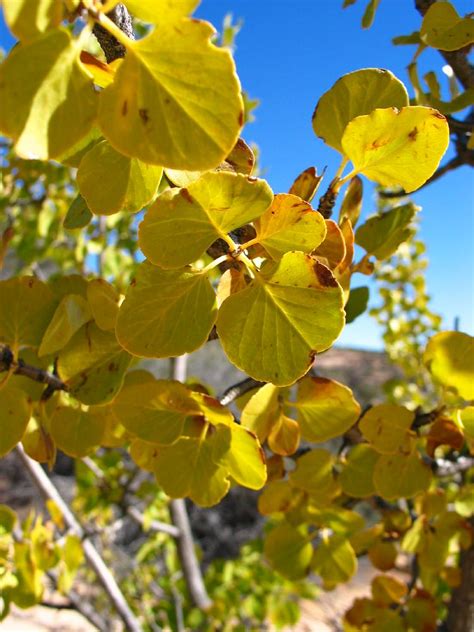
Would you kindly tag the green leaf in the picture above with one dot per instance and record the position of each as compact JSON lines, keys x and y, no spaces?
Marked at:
{"x":78,"y":215}
{"x":289,"y":224}
{"x":175,"y":100}
{"x":449,"y":358}
{"x":111,"y":182}
{"x":8,"y":519}
{"x":412,"y":476}
{"x":47,"y":106}
{"x":293,"y":309}
{"x":334,"y":560}
{"x":354,"y":94}
{"x":194,"y":468}
{"x":397,"y":147}
{"x":27,"y":19}
{"x":93,"y":365}
{"x":388,"y":428}
{"x":381,"y":235}
{"x":444,"y":29}
{"x":158,"y":11}
{"x":182,"y":223}
{"x":326,"y":408}
{"x":357,"y":303}
{"x":26,"y":308}
{"x":15,"y":412}
{"x":104,"y":303}
{"x":369,"y":14}
{"x":72,"y":312}
{"x":155,"y":411}
{"x":356,"y":477}
{"x":166,"y":312}
{"x":289,"y":551}
{"x":76,"y":432}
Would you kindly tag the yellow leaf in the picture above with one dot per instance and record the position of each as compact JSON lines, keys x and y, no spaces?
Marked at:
{"x":397,"y":147}
{"x":15,"y":412}
{"x":333,"y":248}
{"x":38,"y":443}
{"x":76,"y":432}
{"x":412,"y":476}
{"x":166,"y":312}
{"x":158,"y":11}
{"x":388,"y":428}
{"x":103,"y":74}
{"x":326,"y":408}
{"x":289,"y":551}
{"x":103,"y":300}
{"x":278,"y":497}
{"x":262,"y":411}
{"x":313,"y":472}
{"x":356,"y":477}
{"x":182,"y":223}
{"x":294,"y":308}
{"x":72,"y":312}
{"x":306,"y":184}
{"x":352,"y":95}
{"x":111,"y":182}
{"x":245,"y":459}
{"x":27,"y":19}
{"x":387,"y":590}
{"x":155,"y":411}
{"x":289,"y":224}
{"x":444,"y":29}
{"x":284,"y":437}
{"x":93,"y":365}
{"x":175,"y":100}
{"x":334,"y":560}
{"x":383,"y":555}
{"x":26,"y":308}
{"x":49,"y":104}
{"x":449,"y":358}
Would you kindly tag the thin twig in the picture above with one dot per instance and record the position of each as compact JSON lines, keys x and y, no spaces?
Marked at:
{"x":237,"y":390}
{"x":7,"y":361}
{"x":179,"y":517}
{"x":153,"y":525}
{"x":105,"y":577}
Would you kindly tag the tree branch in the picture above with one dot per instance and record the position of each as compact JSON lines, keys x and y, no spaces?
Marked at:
{"x":7,"y":361}
{"x":105,"y":577}
{"x":239,"y":389}
{"x":112,"y":48}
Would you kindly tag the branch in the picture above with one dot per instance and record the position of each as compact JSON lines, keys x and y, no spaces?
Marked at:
{"x":239,"y":389}
{"x":112,"y":48}
{"x":154,"y":525}
{"x":7,"y":361}
{"x":105,"y":577}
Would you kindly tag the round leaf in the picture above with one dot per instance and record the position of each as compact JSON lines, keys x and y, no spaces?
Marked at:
{"x":75,"y":431}
{"x":400,"y":476}
{"x":27,"y":19}
{"x":158,"y":11}
{"x":356,"y":477}
{"x":449,"y":358}
{"x":387,"y":428}
{"x":397,"y":147}
{"x":72,"y":312}
{"x":166,"y":312}
{"x":111,"y":182}
{"x":334,"y":560}
{"x":294,"y":309}
{"x":182,"y":223}
{"x":175,"y":100}
{"x":444,"y":29}
{"x":15,"y":412}
{"x":289,"y":551}
{"x":355,"y":94}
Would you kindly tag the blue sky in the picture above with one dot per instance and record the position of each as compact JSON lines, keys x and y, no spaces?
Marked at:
{"x":289,"y":52}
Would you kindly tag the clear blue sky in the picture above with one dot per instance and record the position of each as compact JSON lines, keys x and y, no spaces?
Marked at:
{"x":289,"y":52}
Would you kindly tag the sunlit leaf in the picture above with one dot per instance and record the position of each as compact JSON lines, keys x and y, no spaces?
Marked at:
{"x":245,"y":459}
{"x":289,"y":551}
{"x":334,"y":560}
{"x":333,"y":248}
{"x":262,"y":411}
{"x":313,"y":471}
{"x":352,"y":202}
{"x":75,"y":431}
{"x":397,"y":147}
{"x":26,"y":308}
{"x":444,"y":29}
{"x":387,"y":589}
{"x":383,"y":555}
{"x":306,"y":184}
{"x":111,"y":182}
{"x":381,"y":235}
{"x":93,"y":365}
{"x":412,"y":476}
{"x":166,"y":312}
{"x":356,"y":477}
{"x":103,"y":300}
{"x":289,"y":224}
{"x":325,"y":408}
{"x":449,"y":358}
{"x":49,"y":105}
{"x":278,"y":497}
{"x":388,"y":428}
{"x":72,"y":312}
{"x":158,"y":11}
{"x":27,"y":19}
{"x":293,"y":308}
{"x":38,"y":443}
{"x":156,"y":410}
{"x":183,"y":223}
{"x":102,"y":74}
{"x":15,"y":412}
{"x":355,"y":94}
{"x":175,"y":100}
{"x":284,"y":437}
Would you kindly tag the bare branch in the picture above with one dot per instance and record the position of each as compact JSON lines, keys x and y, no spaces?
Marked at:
{"x":239,"y":389}
{"x":111,"y":47}
{"x":36,"y":374}
{"x":105,"y":577}
{"x":154,"y":525}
